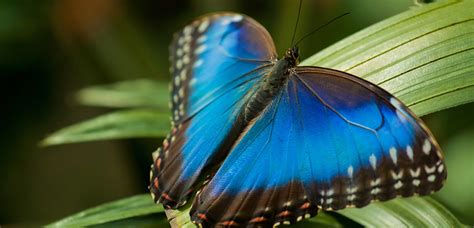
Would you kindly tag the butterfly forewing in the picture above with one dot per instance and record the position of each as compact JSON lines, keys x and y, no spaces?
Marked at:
{"x":215,"y":62}
{"x":386,"y":150}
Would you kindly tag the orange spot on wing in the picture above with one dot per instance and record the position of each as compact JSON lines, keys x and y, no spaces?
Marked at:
{"x":166,"y":196}
{"x":155,"y":183}
{"x":229,"y":223}
{"x":189,"y":191}
{"x":158,"y":163}
{"x":305,"y":205}
{"x":202,"y":216}
{"x":258,"y":219}
{"x":284,"y":214}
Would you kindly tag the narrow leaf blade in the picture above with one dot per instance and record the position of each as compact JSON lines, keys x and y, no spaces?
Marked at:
{"x":126,"y":94}
{"x":423,"y":56}
{"x":409,"y":212}
{"x":116,"y":125}
{"x":134,"y":206}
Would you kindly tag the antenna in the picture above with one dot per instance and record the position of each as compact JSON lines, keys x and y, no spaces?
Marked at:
{"x":320,"y":27}
{"x":296,"y":25}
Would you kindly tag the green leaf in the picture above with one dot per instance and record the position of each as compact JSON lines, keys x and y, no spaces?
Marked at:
{"x":323,"y":219}
{"x":180,"y":218}
{"x":134,"y":206}
{"x":423,"y":56}
{"x":135,"y":93}
{"x":116,"y":125}
{"x":409,"y":212}
{"x":151,"y":221}
{"x":457,"y":195}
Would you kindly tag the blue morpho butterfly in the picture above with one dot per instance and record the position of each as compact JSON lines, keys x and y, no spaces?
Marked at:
{"x":264,"y":142}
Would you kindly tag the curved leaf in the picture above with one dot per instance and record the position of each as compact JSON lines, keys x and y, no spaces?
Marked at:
{"x":423,"y":56}
{"x":409,"y":212}
{"x":134,"y":206}
{"x":116,"y":125}
{"x":125,"y":94}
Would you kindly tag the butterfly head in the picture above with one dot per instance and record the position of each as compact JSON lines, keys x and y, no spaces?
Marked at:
{"x":292,"y":55}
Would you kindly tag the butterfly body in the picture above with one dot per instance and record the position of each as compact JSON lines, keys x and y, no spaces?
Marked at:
{"x":271,"y":85}
{"x":276,"y":142}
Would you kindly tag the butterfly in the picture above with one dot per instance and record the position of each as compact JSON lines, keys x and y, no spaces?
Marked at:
{"x":261,"y":141}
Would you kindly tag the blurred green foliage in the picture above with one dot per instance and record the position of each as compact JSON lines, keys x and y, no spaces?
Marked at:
{"x":55,"y":48}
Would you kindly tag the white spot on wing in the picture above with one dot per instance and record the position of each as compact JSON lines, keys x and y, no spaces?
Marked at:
{"x":350,"y":171}
{"x":201,"y":39}
{"x":351,"y":190}
{"x":200,"y":49}
{"x":399,"y":109}
{"x":375,"y":182}
{"x":410,"y":152}
{"x":415,"y":173}
{"x":416,"y":182}
{"x":395,"y":102}
{"x":431,"y":178}
{"x":398,"y":185}
{"x":187,"y":39}
{"x":179,"y":52}
{"x":203,"y":26}
{"x":373,"y":161}
{"x":177,"y":82}
{"x":182,"y":75}
{"x":237,"y":18}
{"x":440,"y":168}
{"x":186,"y":47}
{"x":375,"y":191}
{"x":198,"y":63}
{"x":427,"y":147}
{"x":430,"y":170}
{"x":393,"y":154}
{"x":181,"y":40}
{"x":179,"y":64}
{"x":397,"y":176}
{"x":351,"y":197}
{"x":188,"y":30}
{"x":186,"y":59}
{"x":192,"y":82}
{"x":330,"y":192}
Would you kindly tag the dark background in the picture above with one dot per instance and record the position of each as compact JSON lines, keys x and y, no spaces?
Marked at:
{"x":50,"y":49}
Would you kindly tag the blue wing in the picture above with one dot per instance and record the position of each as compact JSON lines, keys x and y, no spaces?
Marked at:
{"x":329,"y":140}
{"x":216,"y":60}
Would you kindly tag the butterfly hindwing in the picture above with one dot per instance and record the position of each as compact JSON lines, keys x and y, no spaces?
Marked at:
{"x":216,"y":60}
{"x":329,"y":140}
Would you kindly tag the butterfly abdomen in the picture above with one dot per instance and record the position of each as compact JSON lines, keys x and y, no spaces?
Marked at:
{"x":268,"y":88}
